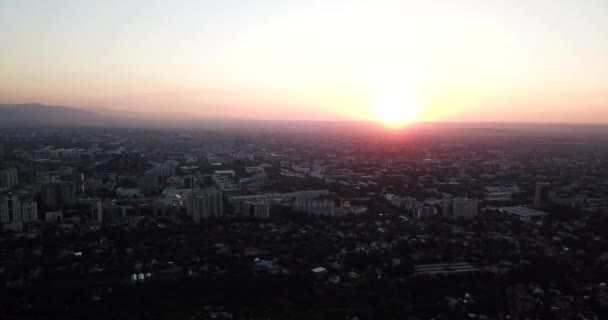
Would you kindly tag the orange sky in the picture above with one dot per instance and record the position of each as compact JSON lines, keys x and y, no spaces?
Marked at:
{"x":539,"y":61}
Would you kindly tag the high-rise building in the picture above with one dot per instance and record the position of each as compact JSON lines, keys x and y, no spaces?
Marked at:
{"x":9,"y":205}
{"x":61,"y":194}
{"x":205,"y":204}
{"x":255,"y":209}
{"x":14,"y":209}
{"x":29,"y":211}
{"x":446,"y":208}
{"x":425,"y":212}
{"x":166,"y":169}
{"x":49,"y":195}
{"x":465,"y":208}
{"x":541,"y":194}
{"x":8,"y":178}
{"x":189,"y":182}
{"x":97,"y":211}
{"x":68,"y":194}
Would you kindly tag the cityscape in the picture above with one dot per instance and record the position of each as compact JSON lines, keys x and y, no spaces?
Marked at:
{"x":159,"y":223}
{"x":265,"y":159}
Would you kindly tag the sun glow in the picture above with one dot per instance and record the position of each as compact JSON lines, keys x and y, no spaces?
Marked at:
{"x":395,"y":110}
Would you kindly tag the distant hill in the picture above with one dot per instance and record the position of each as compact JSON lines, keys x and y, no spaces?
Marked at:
{"x":45,"y":115}
{"x":36,"y":114}
{"x":42,"y":115}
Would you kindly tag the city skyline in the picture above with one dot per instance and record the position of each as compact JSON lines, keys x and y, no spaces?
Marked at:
{"x":283,"y":159}
{"x":284,"y":60}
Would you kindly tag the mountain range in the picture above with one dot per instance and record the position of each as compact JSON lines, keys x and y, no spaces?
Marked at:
{"x":43,"y":115}
{"x":36,"y":114}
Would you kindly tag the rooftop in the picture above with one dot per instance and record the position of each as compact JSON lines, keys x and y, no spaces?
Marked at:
{"x":441,"y":268}
{"x":523,"y":211}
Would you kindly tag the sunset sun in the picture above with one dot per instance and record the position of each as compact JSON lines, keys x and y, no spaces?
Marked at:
{"x":395,"y":110}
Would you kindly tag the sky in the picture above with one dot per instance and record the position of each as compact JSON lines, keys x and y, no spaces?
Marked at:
{"x":407,"y":60}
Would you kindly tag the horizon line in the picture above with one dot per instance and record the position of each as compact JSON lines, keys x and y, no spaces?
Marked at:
{"x":379,"y":122}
